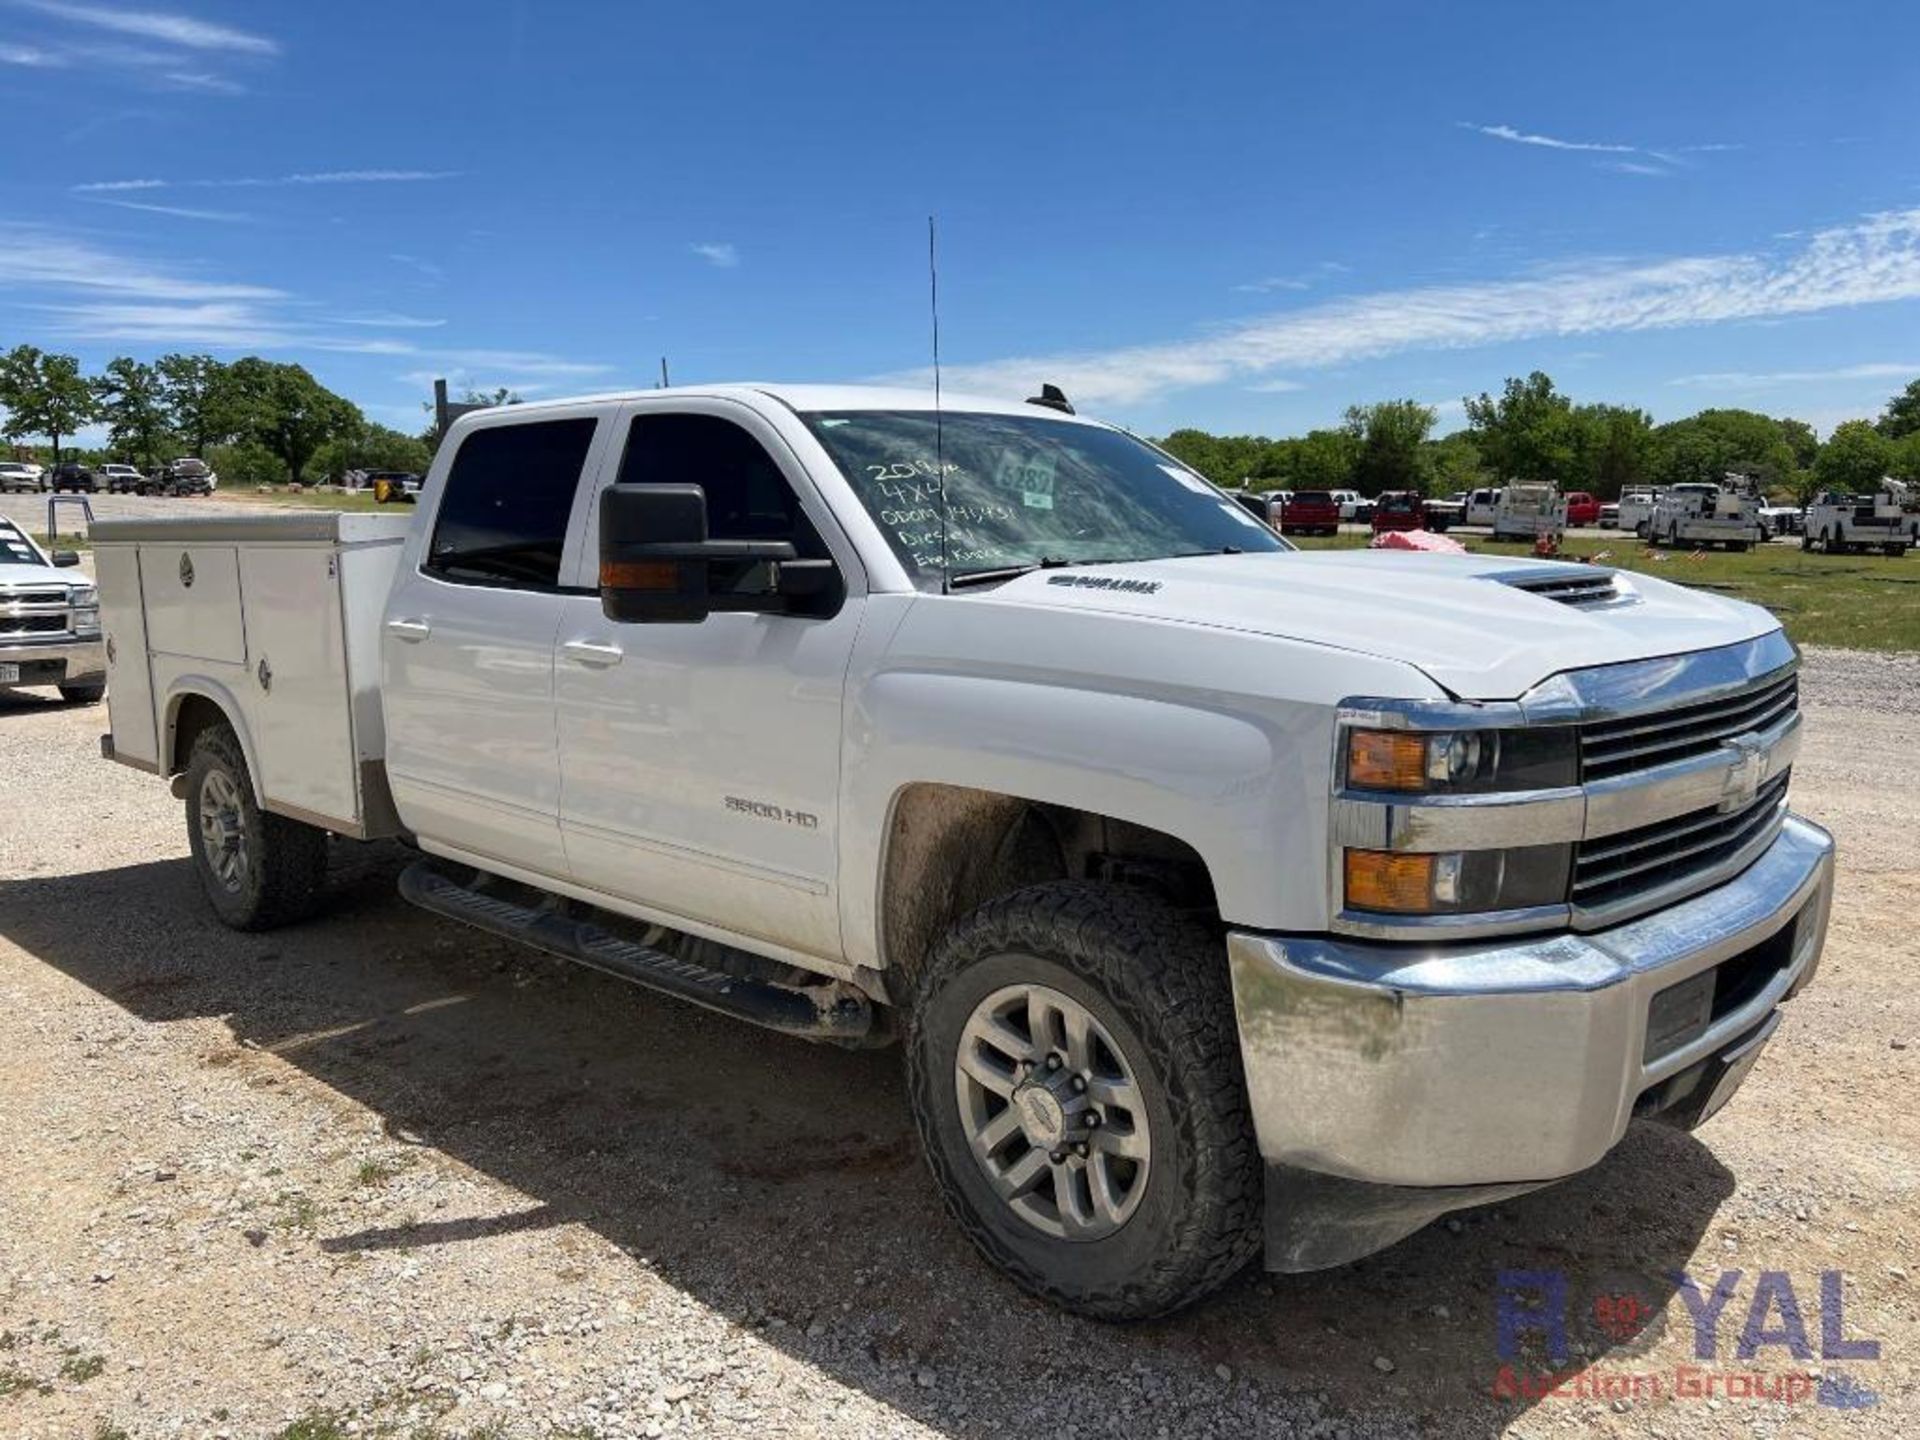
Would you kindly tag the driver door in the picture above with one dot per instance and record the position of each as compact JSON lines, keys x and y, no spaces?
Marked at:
{"x":700,"y":763}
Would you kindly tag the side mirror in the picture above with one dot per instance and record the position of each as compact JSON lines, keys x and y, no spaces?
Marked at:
{"x":656,"y":560}
{"x":65,"y":559}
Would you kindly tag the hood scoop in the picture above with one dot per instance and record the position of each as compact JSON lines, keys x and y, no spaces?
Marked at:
{"x":1584,"y":587}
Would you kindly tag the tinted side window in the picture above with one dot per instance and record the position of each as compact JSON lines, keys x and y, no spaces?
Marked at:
{"x":503,"y":518}
{"x":747,"y":496}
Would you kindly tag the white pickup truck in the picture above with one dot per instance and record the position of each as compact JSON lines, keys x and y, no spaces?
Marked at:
{"x":49,"y":622}
{"x":1222,"y":894}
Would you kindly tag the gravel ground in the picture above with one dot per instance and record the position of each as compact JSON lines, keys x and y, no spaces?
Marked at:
{"x":380,"y":1176}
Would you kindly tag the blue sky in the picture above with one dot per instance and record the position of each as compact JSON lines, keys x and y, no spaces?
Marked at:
{"x":1239,"y":217}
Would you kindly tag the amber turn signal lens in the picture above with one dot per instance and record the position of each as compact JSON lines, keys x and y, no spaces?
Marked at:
{"x":639,"y":575}
{"x":1385,"y":880}
{"x":1386,"y":760}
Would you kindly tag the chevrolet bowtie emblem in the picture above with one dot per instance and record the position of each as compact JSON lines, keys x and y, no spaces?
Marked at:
{"x":1744,"y":774}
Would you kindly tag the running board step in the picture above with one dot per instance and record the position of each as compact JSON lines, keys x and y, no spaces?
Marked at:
{"x":838,"y":1012}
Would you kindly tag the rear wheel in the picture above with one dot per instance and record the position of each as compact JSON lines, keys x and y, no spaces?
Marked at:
{"x":258,"y":870}
{"x":1075,"y":1075}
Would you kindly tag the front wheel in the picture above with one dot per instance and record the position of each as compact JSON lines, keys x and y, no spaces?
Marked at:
{"x":259,"y":870}
{"x":83,"y":694}
{"x":1075,"y":1075}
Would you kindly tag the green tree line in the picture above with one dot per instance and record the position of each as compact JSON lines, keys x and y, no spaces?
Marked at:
{"x":255,"y":421}
{"x":1531,"y":431}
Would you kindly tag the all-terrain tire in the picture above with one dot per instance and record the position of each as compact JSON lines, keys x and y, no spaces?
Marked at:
{"x":1156,"y":982}
{"x":283,"y":869}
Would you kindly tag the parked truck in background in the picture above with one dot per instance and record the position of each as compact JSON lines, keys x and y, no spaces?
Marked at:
{"x":1636,"y":511}
{"x":1704,"y":514}
{"x":1839,"y":523}
{"x":1529,"y":512}
{"x":1224,"y":897}
{"x":49,"y":621}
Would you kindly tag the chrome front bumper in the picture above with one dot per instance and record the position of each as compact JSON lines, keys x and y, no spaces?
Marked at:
{"x":1437,"y":1071}
{"x":85,"y":659}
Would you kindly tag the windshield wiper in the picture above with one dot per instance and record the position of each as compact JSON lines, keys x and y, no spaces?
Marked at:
{"x":1006,"y":572}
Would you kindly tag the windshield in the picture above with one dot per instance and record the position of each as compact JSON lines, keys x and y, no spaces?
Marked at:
{"x":16,"y":549}
{"x":1024,"y":490}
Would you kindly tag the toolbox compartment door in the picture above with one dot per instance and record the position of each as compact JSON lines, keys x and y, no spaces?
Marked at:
{"x":136,"y":737}
{"x":193,"y":602}
{"x":297,"y":696}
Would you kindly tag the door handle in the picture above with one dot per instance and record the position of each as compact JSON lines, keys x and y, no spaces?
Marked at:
{"x":413,"y":631}
{"x":593,"y":652}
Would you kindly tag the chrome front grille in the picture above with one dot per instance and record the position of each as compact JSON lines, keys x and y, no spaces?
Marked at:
{"x":33,"y":624}
{"x":1617,"y":867}
{"x":1640,"y":742}
{"x":11,"y":598}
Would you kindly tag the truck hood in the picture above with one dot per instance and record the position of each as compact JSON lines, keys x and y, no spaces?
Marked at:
{"x":1484,"y":628}
{"x":37,"y":577}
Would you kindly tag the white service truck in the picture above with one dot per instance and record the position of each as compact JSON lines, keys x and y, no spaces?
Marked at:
{"x":1706,"y":514}
{"x":1636,"y":511}
{"x":1223,"y":896}
{"x":1839,"y":522}
{"x":1529,"y":512}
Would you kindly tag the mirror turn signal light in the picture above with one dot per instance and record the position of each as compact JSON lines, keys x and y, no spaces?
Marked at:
{"x":639,"y":575}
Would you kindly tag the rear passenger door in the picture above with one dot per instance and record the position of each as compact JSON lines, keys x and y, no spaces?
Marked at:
{"x":467,"y":646}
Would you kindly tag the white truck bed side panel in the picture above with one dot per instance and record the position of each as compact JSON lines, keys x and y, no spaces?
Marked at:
{"x":136,"y":735}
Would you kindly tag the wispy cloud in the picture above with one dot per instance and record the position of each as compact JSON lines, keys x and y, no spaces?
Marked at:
{"x":182,"y":212}
{"x":89,"y":293}
{"x":719,"y":254}
{"x":387,"y":320}
{"x":1874,"y":261}
{"x":1749,"y":380}
{"x":34,"y":257}
{"x":202,"y":81}
{"x":255,"y":182}
{"x":1277,"y":387}
{"x":1655,"y":161}
{"x":31,"y":56}
{"x":421,"y":266}
{"x":1299,"y":280}
{"x":1549,"y":142}
{"x":181,"y":30}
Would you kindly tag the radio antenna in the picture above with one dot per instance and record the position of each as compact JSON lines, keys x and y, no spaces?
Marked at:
{"x":664,"y":381}
{"x":939,"y":430}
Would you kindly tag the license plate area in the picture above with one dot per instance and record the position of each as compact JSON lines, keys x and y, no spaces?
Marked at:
{"x":9,"y":673}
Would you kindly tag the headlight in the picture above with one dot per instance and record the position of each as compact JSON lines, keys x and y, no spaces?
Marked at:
{"x":81,"y":596}
{"x":1398,"y":882}
{"x":1461,"y":761}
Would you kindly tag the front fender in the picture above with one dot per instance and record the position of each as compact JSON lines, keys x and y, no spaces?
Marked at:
{"x":1247,"y":792}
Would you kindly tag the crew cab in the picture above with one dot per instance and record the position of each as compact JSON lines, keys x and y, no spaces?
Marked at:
{"x":1838,"y":522}
{"x":74,"y":476}
{"x":49,"y":622}
{"x":120,"y":479}
{"x":1582,"y":509}
{"x":1223,"y":897}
